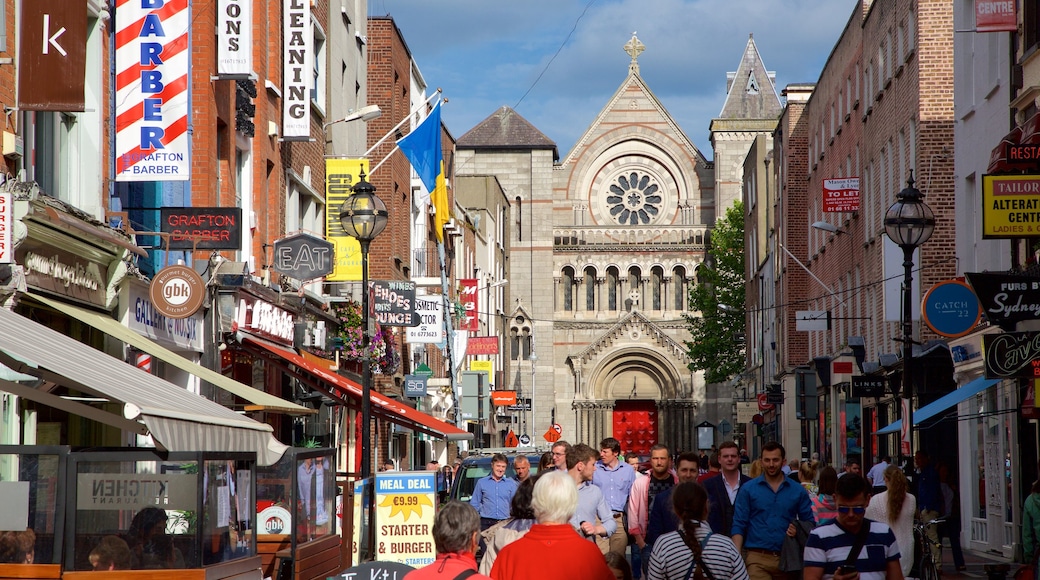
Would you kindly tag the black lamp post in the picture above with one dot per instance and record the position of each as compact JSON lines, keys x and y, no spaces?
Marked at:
{"x":909,"y":223}
{"x":364,"y":217}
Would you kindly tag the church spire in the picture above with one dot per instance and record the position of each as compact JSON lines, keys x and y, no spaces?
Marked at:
{"x":633,"y":47}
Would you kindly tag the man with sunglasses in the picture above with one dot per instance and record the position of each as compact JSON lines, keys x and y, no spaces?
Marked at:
{"x":829,"y":549}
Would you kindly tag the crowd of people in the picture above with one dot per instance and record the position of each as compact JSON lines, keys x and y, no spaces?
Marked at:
{"x":591,"y":513}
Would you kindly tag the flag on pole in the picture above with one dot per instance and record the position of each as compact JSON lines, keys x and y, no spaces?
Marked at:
{"x":422,"y":147}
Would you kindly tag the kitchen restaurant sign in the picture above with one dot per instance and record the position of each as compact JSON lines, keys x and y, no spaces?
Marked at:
{"x":1012,"y":355}
{"x":1005,"y":298}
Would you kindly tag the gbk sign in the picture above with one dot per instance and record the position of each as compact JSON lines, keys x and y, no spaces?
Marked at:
{"x":303,"y":256}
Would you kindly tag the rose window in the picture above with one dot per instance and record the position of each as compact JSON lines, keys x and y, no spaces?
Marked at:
{"x":633,"y":200}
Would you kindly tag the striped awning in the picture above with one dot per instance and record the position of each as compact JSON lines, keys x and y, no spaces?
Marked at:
{"x":177,"y":420}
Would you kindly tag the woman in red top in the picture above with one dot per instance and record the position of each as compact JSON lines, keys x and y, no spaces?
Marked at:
{"x":552,"y":549}
{"x":455,"y":533}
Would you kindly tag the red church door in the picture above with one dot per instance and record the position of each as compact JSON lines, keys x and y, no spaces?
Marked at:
{"x":635,"y":426}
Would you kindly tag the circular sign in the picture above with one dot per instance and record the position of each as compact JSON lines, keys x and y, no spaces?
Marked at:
{"x":525,"y":439}
{"x":763,"y":402}
{"x":556,"y":427}
{"x":951,"y":309}
{"x":177,"y":291}
{"x":275,"y":520}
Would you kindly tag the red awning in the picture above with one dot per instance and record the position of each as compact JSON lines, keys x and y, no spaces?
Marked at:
{"x":349,"y":393}
{"x":998,"y":161}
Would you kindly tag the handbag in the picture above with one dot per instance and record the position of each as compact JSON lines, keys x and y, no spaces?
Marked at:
{"x":793,"y":548}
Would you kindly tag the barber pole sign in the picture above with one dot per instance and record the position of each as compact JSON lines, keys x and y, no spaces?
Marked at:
{"x":298,"y":70}
{"x":152,"y":72}
{"x":143,"y":361}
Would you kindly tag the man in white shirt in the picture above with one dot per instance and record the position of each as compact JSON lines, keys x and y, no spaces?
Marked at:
{"x":876,"y":475}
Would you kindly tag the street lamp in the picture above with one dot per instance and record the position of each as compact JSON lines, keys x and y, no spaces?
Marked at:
{"x":364,"y":217}
{"x":909,"y":223}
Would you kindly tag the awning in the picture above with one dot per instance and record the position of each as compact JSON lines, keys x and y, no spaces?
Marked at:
{"x":345,"y":390}
{"x":943,"y":403}
{"x":260,"y":401}
{"x":177,"y":419}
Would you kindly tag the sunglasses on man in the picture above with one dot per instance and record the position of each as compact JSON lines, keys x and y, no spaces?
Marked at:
{"x":856,"y":509}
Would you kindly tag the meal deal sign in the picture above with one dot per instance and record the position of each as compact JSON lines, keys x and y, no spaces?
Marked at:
{"x":841,"y":195}
{"x":1010,"y":206}
{"x":404,"y":517}
{"x":152,"y":71}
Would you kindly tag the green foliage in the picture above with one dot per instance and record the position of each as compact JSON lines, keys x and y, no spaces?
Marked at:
{"x":712,"y":347}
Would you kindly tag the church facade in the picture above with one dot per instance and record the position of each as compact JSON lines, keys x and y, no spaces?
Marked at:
{"x":606,"y":245}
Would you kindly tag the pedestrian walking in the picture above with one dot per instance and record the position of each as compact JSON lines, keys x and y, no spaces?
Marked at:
{"x":522,"y":468}
{"x":714,"y":468}
{"x":559,"y":455}
{"x":694,"y":548}
{"x":896,"y":507}
{"x":614,"y":478}
{"x":592,"y":518}
{"x":641,"y":499}
{"x":852,"y":547}
{"x":951,"y":527}
{"x":455,"y":531}
{"x":765,"y":510}
{"x":521,"y":518}
{"x":807,"y":478}
{"x":551,"y":550}
{"x":876,"y":475}
{"x":823,"y":506}
{"x":663,"y":518}
{"x":493,"y":493}
{"x":722,"y":490}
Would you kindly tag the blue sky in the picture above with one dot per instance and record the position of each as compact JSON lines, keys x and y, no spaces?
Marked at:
{"x":489,"y":53}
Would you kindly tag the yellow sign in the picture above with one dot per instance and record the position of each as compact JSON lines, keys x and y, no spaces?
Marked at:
{"x":404,"y":517}
{"x":1010,"y":206}
{"x":488,"y":366}
{"x":340,"y":177}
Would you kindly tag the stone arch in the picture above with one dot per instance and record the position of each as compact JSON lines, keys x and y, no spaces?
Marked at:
{"x":654,"y":375}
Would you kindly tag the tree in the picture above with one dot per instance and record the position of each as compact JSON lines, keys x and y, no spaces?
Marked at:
{"x":716,"y":344}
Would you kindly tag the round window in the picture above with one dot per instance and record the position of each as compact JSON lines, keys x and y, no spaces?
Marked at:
{"x":633,"y":199}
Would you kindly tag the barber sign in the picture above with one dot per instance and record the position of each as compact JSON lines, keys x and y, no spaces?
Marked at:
{"x":152,"y":72}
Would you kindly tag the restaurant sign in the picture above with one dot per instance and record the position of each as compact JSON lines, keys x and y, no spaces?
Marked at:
{"x":117,"y":491}
{"x":265,"y":319}
{"x":1012,"y":355}
{"x":62,"y":272}
{"x":1006,"y":298}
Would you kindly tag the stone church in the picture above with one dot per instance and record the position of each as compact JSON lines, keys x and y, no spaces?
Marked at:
{"x":606,"y":243}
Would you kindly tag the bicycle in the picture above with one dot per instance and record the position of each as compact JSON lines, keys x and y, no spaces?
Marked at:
{"x":924,"y":563}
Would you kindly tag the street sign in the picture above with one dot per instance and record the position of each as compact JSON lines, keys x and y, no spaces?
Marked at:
{"x":775,"y":398}
{"x":520,"y":405}
{"x":423,"y":370}
{"x":525,"y":439}
{"x":812,"y":320}
{"x":511,"y":439}
{"x":763,"y":402}
{"x":551,"y":435}
{"x":556,"y":427}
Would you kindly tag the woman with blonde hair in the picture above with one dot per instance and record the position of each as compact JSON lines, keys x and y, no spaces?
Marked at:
{"x":896,"y":507}
{"x":807,"y":477}
{"x":756,"y":469}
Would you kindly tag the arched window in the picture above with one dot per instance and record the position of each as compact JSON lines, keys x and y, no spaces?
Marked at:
{"x":590,"y":288}
{"x":633,"y":278}
{"x":679,"y":283}
{"x":514,"y":344}
{"x":656,"y":286}
{"x":527,"y":344}
{"x":567,"y":285}
{"x":612,"y":288}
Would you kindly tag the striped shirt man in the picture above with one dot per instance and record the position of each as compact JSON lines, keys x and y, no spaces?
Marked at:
{"x":829,"y":545}
{"x":671,"y":558}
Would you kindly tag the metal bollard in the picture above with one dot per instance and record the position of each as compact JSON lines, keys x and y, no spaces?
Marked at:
{"x":996,"y":571}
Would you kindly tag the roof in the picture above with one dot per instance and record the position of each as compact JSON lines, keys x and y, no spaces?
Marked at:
{"x":506,"y":129}
{"x":750,"y":91}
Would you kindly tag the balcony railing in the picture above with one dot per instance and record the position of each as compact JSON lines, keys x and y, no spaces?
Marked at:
{"x":576,"y":238}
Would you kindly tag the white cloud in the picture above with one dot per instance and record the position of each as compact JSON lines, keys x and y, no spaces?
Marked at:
{"x":488,"y":53}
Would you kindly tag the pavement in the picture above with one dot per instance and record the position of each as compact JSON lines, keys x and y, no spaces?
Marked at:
{"x":975,"y":564}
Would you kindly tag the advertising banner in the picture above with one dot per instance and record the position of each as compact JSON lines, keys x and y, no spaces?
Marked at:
{"x":430,"y":330}
{"x":404,"y":517}
{"x":995,"y":16}
{"x":234,"y":38}
{"x":52,"y":56}
{"x":340,"y":177}
{"x":1010,"y":206}
{"x":841,"y":195}
{"x":298,"y":70}
{"x":152,"y":72}
{"x":1006,"y":298}
{"x":470,"y":305}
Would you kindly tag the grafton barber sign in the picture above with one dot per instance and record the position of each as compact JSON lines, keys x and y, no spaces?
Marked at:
{"x":1012,"y":355}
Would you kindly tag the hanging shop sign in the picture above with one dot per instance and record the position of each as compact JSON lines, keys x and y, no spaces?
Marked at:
{"x":234,"y":38}
{"x":503,"y":398}
{"x":394,"y":303}
{"x":482,"y":345}
{"x":1010,"y":206}
{"x":63,"y":273}
{"x":340,"y":177}
{"x":1012,"y":355}
{"x":6,"y":227}
{"x":951,"y":309}
{"x":303,"y":256}
{"x":995,"y":16}
{"x":864,"y":386}
{"x":470,"y":305}
{"x":430,"y":330}
{"x":152,"y":71}
{"x":145,"y":319}
{"x":298,"y":70}
{"x":177,"y":291}
{"x":1005,"y":298}
{"x":841,"y":195}
{"x":52,"y":56}
{"x":202,"y":228}
{"x":264,"y":319}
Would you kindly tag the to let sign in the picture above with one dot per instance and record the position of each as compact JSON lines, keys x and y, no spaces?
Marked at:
{"x":303,"y":256}
{"x":202,"y":228}
{"x":841,"y":195}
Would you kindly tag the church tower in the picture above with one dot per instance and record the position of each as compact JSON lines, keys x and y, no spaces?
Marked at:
{"x":752,"y":108}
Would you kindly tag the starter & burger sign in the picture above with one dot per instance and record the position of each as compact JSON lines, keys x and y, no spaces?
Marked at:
{"x":177,"y":291}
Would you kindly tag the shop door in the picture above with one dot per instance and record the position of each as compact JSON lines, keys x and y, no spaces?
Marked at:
{"x":635,"y":426}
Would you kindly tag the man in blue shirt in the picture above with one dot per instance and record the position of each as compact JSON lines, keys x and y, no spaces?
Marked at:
{"x":765,"y":509}
{"x":592,"y":507}
{"x":493,"y":493}
{"x":614,"y":478}
{"x":930,"y":504}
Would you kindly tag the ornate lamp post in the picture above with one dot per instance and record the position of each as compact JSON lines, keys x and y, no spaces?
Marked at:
{"x":364,"y":217}
{"x":909,"y":223}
